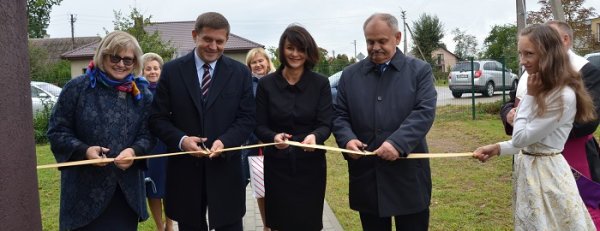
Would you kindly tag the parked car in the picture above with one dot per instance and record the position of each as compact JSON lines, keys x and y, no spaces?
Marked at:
{"x":43,"y":93}
{"x":594,"y":58}
{"x":333,"y":83}
{"x":488,"y":78}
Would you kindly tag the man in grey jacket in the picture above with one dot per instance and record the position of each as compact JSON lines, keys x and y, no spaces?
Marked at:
{"x":386,"y":104}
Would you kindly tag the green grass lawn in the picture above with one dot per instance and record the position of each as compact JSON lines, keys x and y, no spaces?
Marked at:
{"x":467,"y":195}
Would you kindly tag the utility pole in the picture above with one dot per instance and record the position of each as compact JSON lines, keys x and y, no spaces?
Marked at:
{"x":73,"y":19}
{"x":404,"y":23}
{"x":355,"y":49}
{"x":419,"y":48}
{"x":521,"y":17}
{"x":557,"y":11}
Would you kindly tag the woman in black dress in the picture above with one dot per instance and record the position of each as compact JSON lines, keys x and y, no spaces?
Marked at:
{"x":294,"y":103}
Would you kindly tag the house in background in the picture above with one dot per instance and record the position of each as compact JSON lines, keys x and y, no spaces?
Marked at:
{"x":54,"y":47}
{"x":444,"y":59}
{"x":595,"y":26}
{"x":180,"y":35}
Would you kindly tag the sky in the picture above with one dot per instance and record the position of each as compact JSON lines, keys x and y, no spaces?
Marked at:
{"x":335,"y":25}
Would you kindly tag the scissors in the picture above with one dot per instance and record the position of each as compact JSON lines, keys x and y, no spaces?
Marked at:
{"x":204,"y":146}
{"x":101,"y":154}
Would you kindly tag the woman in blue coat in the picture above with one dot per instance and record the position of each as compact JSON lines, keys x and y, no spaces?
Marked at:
{"x":101,"y":114}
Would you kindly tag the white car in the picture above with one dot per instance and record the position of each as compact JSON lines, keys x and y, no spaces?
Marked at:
{"x":42,"y":93}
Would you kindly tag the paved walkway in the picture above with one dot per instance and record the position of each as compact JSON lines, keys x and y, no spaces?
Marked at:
{"x":253,"y":221}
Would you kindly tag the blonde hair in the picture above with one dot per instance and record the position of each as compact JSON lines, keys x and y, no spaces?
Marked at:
{"x":115,"y":42}
{"x":259,"y":51}
{"x":556,"y":71}
{"x":151,"y":57}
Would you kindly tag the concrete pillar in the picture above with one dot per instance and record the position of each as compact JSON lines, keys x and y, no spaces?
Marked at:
{"x":19,"y":197}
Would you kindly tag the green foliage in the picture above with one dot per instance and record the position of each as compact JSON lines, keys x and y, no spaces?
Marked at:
{"x":441,"y":77}
{"x":466,"y":44}
{"x":274,"y":52}
{"x":428,"y":32}
{"x":490,"y":108}
{"x":326,"y":66}
{"x":43,"y":70}
{"x":323,"y":64}
{"x":38,"y":14}
{"x":40,"y":123}
{"x":134,"y":24}
{"x":502,"y":40}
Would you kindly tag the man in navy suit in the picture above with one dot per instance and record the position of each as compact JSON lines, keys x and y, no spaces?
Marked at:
{"x":204,"y":99}
{"x":386,"y":104}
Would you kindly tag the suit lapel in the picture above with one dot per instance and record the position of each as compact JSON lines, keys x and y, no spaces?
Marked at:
{"x":221,"y":77}
{"x":190,"y":77}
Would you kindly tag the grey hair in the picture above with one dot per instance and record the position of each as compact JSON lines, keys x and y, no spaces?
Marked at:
{"x":389,"y":19}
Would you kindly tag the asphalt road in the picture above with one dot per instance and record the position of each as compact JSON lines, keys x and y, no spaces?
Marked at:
{"x":445,"y":97}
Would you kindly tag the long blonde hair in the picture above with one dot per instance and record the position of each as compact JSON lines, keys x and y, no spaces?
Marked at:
{"x":556,"y":72}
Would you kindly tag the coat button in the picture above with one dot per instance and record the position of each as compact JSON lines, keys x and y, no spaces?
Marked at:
{"x":379,"y":98}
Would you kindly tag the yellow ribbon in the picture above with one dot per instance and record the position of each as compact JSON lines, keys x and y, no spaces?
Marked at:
{"x":292,"y":143}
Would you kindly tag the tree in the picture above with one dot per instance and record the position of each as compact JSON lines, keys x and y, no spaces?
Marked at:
{"x":576,"y":16}
{"x":41,"y":69}
{"x":502,"y":40}
{"x":466,"y":44}
{"x":428,"y":32}
{"x":38,"y":14}
{"x":274,"y":52}
{"x":323,"y":66}
{"x":134,"y":25}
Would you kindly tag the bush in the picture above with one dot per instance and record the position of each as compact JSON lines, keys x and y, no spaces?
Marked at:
{"x":490,"y":108}
{"x":40,"y":123}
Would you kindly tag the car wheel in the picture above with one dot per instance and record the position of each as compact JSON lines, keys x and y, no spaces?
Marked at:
{"x":489,"y":89}
{"x":456,"y":94}
{"x":514,"y":84}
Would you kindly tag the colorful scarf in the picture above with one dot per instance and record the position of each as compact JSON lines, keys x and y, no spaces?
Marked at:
{"x":129,"y":84}
{"x":152,"y":85}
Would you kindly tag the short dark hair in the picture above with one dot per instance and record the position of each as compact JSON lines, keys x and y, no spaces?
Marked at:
{"x":300,"y":37}
{"x":213,"y":20}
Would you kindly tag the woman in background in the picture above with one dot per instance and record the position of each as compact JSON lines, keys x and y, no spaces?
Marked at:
{"x":259,"y":63}
{"x":157,"y":167}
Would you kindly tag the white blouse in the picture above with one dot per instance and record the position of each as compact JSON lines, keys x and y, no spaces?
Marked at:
{"x":545,"y":134}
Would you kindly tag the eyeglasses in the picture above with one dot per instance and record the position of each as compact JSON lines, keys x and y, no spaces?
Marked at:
{"x":126,"y":61}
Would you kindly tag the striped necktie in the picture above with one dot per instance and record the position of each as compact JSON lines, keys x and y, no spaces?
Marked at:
{"x":205,"y":81}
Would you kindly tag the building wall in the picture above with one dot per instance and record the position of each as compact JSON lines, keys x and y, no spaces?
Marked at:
{"x":595,"y":29}
{"x":239,"y":56}
{"x":77,"y":67}
{"x":449,"y":60}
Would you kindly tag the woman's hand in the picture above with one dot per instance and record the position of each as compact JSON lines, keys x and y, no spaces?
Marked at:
{"x":96,"y":152}
{"x":121,"y":161}
{"x":310,"y":139}
{"x":280,"y":139}
{"x":486,"y":152}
